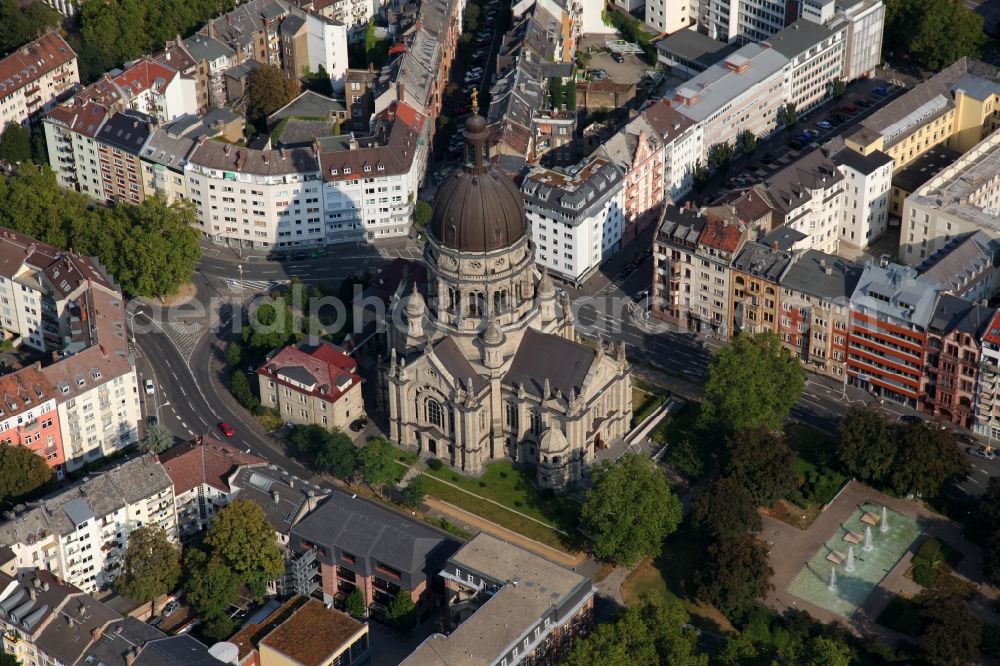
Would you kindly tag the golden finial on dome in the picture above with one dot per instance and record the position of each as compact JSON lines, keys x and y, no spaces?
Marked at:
{"x":475,"y":101}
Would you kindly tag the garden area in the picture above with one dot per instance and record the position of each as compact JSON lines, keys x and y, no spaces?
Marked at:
{"x":645,"y":401}
{"x":816,"y":474}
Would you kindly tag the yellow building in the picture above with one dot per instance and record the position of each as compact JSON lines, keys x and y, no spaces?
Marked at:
{"x":958,"y":107}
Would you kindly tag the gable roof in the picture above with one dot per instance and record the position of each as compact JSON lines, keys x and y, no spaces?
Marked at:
{"x":32,"y":61}
{"x":457,"y":365}
{"x":544,"y":356}
{"x":204,"y":460}
{"x":323,"y":370}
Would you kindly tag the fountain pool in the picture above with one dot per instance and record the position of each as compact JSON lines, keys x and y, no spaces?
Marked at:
{"x":852,"y":587}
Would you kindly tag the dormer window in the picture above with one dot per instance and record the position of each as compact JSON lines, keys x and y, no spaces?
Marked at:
{"x":381,"y":167}
{"x":347,"y":170}
{"x":333,"y":171}
{"x":367,"y":168}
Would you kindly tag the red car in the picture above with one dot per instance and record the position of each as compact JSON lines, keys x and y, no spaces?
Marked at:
{"x":226,"y":429}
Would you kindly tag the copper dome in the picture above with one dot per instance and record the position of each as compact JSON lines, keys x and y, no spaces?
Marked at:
{"x":478,"y":209}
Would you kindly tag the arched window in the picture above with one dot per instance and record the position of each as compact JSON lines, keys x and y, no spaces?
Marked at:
{"x":434,"y":414}
{"x":536,"y":423}
{"x":510,"y":415}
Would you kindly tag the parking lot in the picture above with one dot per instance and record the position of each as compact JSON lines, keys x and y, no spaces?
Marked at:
{"x":630,"y":70}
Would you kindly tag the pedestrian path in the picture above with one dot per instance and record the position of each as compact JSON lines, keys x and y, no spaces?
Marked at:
{"x":415,"y":470}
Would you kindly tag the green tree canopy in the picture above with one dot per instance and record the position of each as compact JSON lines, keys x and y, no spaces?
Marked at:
{"x":720,"y":156}
{"x":354,"y":603}
{"x":736,"y":573}
{"x":822,"y":651}
{"x":158,"y":439}
{"x":629,"y":509}
{"x":7,"y":659}
{"x":752,"y":382}
{"x":210,"y":587}
{"x":725,"y":509}
{"x":330,"y":451}
{"x":932,"y":33}
{"x":239,"y":386}
{"x":401,"y":611}
{"x":275,"y":325}
{"x":788,"y":115}
{"x":243,"y":540}
{"x":151,"y":567}
{"x":867,"y":443}
{"x":415,"y":492}
{"x":951,"y":633}
{"x":747,"y":142}
{"x":268,"y":89}
{"x":15,"y":144}
{"x":22,"y":22}
{"x":653,"y":632}
{"x":21,"y":471}
{"x":761,"y":462}
{"x":422,"y":213}
{"x":927,"y":459}
{"x":378,"y":463}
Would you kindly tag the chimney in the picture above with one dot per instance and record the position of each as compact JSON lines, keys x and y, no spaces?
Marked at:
{"x":400,"y":92}
{"x":167,"y":52}
{"x":274,"y":495}
{"x":95,"y":633}
{"x":131,"y":655}
{"x":774,"y":245}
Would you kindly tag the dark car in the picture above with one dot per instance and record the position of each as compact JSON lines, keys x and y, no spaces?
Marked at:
{"x":767,"y":159}
{"x":299,"y":256}
{"x":837,"y":118}
{"x":849,"y":109}
{"x":910,"y":418}
{"x":864,"y":103}
{"x":358,"y":425}
{"x":881,"y":91}
{"x":795,"y":144}
{"x":618,"y":57}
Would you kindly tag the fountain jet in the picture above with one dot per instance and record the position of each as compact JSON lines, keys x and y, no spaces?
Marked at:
{"x":869,"y":546}
{"x":833,"y":580}
{"x":849,"y":566}
{"x":884,"y":525}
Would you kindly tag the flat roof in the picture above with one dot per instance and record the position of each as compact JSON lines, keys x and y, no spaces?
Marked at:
{"x":314,"y":633}
{"x":925,"y":167}
{"x":694,"y":47}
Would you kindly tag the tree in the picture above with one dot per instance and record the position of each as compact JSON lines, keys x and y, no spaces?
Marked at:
{"x":401,"y":611}
{"x":699,"y":176}
{"x":377,"y":50}
{"x":21,"y":471}
{"x":7,"y":659}
{"x":414,"y":492}
{"x":151,"y":566}
{"x":927,"y":458}
{"x":557,"y":92}
{"x":867,"y":443}
{"x":244,"y":541}
{"x":951,"y":633}
{"x":788,"y":115}
{"x":822,"y":651}
{"x":234,"y":354}
{"x":629,"y":509}
{"x":354,"y":603}
{"x":720,"y":156}
{"x":933,"y":33}
{"x":239,"y":386}
{"x":157,"y":440}
{"x":210,"y":587}
{"x":21,"y":23}
{"x":761,"y":462}
{"x":752,"y":382}
{"x":337,"y":455}
{"x":268,"y":89}
{"x":318,"y":82}
{"x":569,"y":96}
{"x":736,"y":573}
{"x":378,"y":463}
{"x":725,"y":509}
{"x":15,"y":144}
{"x":422,"y":213}
{"x":837,"y":88}
{"x":747,"y":141}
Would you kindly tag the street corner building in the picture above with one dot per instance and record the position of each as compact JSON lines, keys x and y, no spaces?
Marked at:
{"x":483,"y":361}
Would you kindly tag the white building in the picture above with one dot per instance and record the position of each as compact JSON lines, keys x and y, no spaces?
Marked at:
{"x":34,"y":77}
{"x":70,"y":135}
{"x":815,"y":60}
{"x":669,"y":16}
{"x":808,"y":198}
{"x":576,"y":216}
{"x":81,"y":533}
{"x":157,"y":90}
{"x":867,"y":182}
{"x":863,"y":22}
{"x":719,"y":19}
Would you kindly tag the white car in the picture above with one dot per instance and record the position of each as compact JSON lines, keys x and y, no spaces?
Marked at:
{"x":149,"y":387}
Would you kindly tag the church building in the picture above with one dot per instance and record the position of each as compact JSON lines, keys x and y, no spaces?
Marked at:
{"x":483,"y":359}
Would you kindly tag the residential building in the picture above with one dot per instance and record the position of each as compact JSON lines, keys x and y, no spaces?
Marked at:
{"x":284,"y":498}
{"x":119,"y":143}
{"x":966,"y":266}
{"x":959,"y":106}
{"x":719,"y":19}
{"x":312,"y":385}
{"x":28,"y":416}
{"x":683,"y":143}
{"x":808,"y":196}
{"x":952,"y":358}
{"x":688,"y":53}
{"x":306,"y":633}
{"x":34,"y":77}
{"x":359,"y":98}
{"x":163,"y":159}
{"x":176,"y":56}
{"x":915,"y":175}
{"x":353,"y":14}
{"x":211,"y":58}
{"x":863,"y":21}
{"x":670,"y":16}
{"x":864,"y":214}
{"x":815,"y":60}
{"x":511,"y":606}
{"x":156,"y":90}
{"x":360,"y":545}
{"x":987,"y":406}
{"x":70,"y":136}
{"x":200,"y":470}
{"x":815,"y":298}
{"x":890,"y":310}
{"x":81,"y":533}
{"x":744,"y":92}
{"x":963,"y":198}
{"x":576,"y":216}
{"x":755,"y":295}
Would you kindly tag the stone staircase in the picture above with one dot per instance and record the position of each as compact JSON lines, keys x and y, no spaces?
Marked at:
{"x":416,"y":469}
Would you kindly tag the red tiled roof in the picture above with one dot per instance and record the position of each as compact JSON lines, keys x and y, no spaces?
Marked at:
{"x":19,"y":391}
{"x":666,"y":120}
{"x":334,"y":372}
{"x":32,"y":61}
{"x":992,"y":333}
{"x":722,"y":236}
{"x":204,"y":460}
{"x":144,"y":75}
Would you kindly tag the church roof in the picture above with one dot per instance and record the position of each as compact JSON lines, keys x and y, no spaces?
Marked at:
{"x":457,"y":365}
{"x":542,"y":356}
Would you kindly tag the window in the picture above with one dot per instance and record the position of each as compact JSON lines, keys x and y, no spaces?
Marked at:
{"x":434,"y":413}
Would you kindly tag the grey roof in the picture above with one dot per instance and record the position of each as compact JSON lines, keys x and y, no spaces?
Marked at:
{"x":824,"y":275}
{"x":196,"y":126}
{"x":798,"y":38}
{"x":203,"y":47}
{"x":572,"y":193}
{"x":105,"y":493}
{"x":300,"y":133}
{"x":789,"y":188}
{"x":309,"y":105}
{"x":955,"y":314}
{"x":127,"y":131}
{"x":963,"y":261}
{"x":68,"y":634}
{"x":283,"y":498}
{"x":694,"y":47}
{"x":544,"y":356}
{"x":718,"y":85}
{"x":226,"y":157}
{"x":78,"y":511}
{"x":681,"y":226}
{"x":117,"y":639}
{"x":291,"y":25}
{"x":166,"y":149}
{"x":18,"y":610}
{"x":866,"y":164}
{"x":458,"y":366}
{"x":297,"y":374}
{"x":784,"y":237}
{"x":925,"y":167}
{"x":897,"y":292}
{"x":243,"y":69}
{"x":762,"y":261}
{"x":239,"y":26}
{"x":174,"y":650}
{"x":375,"y":534}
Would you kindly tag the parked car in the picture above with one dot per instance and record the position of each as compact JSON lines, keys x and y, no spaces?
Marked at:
{"x":795,"y":144}
{"x":299,"y":256}
{"x":910,"y":418}
{"x":318,"y":254}
{"x":358,"y":425}
{"x":226,"y":429}
{"x":881,"y":91}
{"x":618,"y":57}
{"x":823,"y":124}
{"x":837,"y":118}
{"x":864,"y":103}
{"x":170,"y":608}
{"x":983,"y":452}
{"x":150,"y":388}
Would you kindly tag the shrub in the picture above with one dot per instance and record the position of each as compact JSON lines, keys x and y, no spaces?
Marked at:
{"x":948,"y":583}
{"x":503,"y":475}
{"x":924,"y":574}
{"x":687,"y":458}
{"x":454,"y":477}
{"x":517,"y":503}
{"x":519,"y":485}
{"x":435,"y":464}
{"x":929,"y":551}
{"x":482,"y":484}
{"x":991,"y":639}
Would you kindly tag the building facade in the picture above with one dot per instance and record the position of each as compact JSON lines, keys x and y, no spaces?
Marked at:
{"x":34,"y":77}
{"x":864,"y":215}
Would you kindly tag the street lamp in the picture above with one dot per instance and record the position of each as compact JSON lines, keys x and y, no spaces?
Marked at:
{"x":158,"y":408}
{"x":240,"y":267}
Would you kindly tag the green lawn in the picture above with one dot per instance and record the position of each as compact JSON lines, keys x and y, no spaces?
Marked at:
{"x":815,"y":466}
{"x":644,"y":403}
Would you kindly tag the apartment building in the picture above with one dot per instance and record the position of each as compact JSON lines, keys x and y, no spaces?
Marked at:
{"x":670,"y":16}
{"x":285,"y":499}
{"x":363,"y":546}
{"x":688,"y":53}
{"x":28,"y":415}
{"x":156,"y":90}
{"x":952,"y":358}
{"x":863,"y":22}
{"x":203,"y":59}
{"x":495,"y":594}
{"x":815,"y":60}
{"x":576,"y":215}
{"x":755,"y":295}
{"x":119,"y":144}
{"x":34,"y":77}
{"x":312,"y":385}
{"x":959,"y":107}
{"x":890,"y":310}
{"x":353,"y":14}
{"x":200,"y":470}
{"x":744,"y":92}
{"x":987,"y":405}
{"x":808,"y":196}
{"x":966,"y":266}
{"x":70,"y":136}
{"x":815,"y":310}
{"x":864,"y":215}
{"x":163,"y":159}
{"x":81,"y":533}
{"x":963,"y":198}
